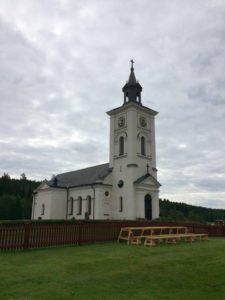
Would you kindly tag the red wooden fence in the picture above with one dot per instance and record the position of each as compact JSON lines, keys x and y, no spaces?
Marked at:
{"x":36,"y":235}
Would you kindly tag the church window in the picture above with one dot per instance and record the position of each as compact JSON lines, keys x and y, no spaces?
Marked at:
{"x":121,"y":145}
{"x":120,"y":183}
{"x":106,"y":193}
{"x":89,"y":205}
{"x":143,"y":150}
{"x":70,"y":206}
{"x":121,"y":204}
{"x":79,"y":211}
{"x":43,"y":209}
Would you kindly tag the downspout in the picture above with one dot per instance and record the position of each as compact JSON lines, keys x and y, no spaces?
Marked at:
{"x":67,"y":200}
{"x":93,"y":201}
{"x":33,"y":205}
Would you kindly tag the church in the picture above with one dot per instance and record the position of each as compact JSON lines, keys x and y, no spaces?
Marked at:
{"x":126,"y":188}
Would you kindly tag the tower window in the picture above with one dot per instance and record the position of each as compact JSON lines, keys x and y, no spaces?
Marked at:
{"x":121,"y":145}
{"x":143,"y":146}
{"x":79,"y":211}
{"x":121,"y":204}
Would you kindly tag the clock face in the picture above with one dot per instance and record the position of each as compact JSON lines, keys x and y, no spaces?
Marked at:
{"x":142,"y":121}
{"x":121,"y":121}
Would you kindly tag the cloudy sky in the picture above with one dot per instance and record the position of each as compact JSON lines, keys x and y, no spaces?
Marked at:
{"x":63,"y":64}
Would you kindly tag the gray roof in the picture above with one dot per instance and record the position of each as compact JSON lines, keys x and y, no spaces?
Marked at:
{"x":81,"y":177}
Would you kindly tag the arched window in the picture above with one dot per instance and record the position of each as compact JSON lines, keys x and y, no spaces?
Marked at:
{"x":89,"y":205}
{"x":79,"y":203}
{"x":143,"y":150}
{"x":121,"y":145}
{"x":70,"y":206}
{"x":121,"y":204}
{"x":43,"y":209}
{"x":148,"y":207}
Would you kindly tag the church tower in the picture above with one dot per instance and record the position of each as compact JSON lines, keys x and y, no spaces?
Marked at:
{"x":133,"y":156}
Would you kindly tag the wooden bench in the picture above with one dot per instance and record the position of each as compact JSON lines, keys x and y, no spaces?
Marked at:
{"x":173,"y":238}
{"x":136,"y":240}
{"x":201,"y":236}
{"x":131,"y":234}
{"x":152,"y":239}
{"x":128,"y":233}
{"x":151,"y":235}
{"x":191,"y":237}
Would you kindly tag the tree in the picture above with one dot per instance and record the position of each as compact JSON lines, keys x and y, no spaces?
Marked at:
{"x":23,"y":176}
{"x":10,"y":207}
{"x":16,"y":197}
{"x":6,"y":176}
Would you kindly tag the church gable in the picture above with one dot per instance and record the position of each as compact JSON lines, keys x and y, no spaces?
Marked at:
{"x":147,"y":179}
{"x":43,"y":186}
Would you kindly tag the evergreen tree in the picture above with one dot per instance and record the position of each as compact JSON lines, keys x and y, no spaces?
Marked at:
{"x":16,"y":197}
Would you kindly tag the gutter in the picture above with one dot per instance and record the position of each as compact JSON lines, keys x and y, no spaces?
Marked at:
{"x":80,"y":185}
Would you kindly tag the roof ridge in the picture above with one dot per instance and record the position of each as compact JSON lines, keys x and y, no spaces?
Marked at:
{"x":83,"y":169}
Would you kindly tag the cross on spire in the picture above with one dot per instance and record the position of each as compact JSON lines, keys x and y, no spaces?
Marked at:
{"x":132,"y":64}
{"x":147,"y":166}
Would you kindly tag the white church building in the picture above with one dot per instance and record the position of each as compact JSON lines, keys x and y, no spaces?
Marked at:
{"x":126,"y":188}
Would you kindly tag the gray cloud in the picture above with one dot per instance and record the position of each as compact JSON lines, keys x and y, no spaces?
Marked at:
{"x":63,"y":64}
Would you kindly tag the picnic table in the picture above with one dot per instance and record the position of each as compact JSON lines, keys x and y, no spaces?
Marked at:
{"x":153,"y":234}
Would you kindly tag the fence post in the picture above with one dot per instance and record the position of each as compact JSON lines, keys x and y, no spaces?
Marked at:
{"x":27,"y":227}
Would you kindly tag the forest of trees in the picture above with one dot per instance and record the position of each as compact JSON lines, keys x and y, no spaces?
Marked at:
{"x":16,"y":197}
{"x":16,"y":203}
{"x":174,"y":211}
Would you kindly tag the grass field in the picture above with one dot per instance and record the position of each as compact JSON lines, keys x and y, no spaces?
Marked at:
{"x":116,"y":271}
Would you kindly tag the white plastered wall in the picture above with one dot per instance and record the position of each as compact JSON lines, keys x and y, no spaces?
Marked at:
{"x":140,"y":202}
{"x":100,"y":203}
{"x":54,"y":201}
{"x":83,"y":193}
{"x":132,"y":165}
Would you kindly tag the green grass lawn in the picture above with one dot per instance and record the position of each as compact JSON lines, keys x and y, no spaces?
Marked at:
{"x":116,"y":271}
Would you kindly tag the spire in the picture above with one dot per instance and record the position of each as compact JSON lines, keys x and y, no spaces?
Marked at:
{"x":132,"y":79}
{"x":132,"y":89}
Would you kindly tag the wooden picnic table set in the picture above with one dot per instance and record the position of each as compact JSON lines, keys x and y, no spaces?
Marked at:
{"x":158,"y":234}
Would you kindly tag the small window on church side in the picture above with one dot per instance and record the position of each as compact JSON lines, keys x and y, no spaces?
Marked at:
{"x":89,"y":205}
{"x":143,"y":146}
{"x":121,"y":204}
{"x":79,"y":210}
{"x":42,"y":209}
{"x":70,"y":206}
{"x":121,"y":145}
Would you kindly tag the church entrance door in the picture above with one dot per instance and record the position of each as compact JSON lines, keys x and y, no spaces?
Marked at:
{"x":148,"y":207}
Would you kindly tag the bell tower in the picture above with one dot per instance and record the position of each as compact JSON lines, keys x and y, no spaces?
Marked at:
{"x":132,"y":154}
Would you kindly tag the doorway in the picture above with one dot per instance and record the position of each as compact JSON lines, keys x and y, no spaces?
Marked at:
{"x":148,"y":207}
